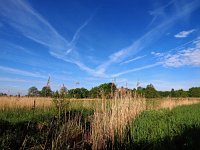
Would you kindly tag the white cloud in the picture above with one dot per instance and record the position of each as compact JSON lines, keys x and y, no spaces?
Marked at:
{"x":152,"y":35}
{"x":21,"y":16}
{"x":18,"y":80}
{"x":136,"y":69}
{"x":21,"y":72}
{"x":134,"y":59}
{"x":189,"y":56}
{"x":184,"y":34}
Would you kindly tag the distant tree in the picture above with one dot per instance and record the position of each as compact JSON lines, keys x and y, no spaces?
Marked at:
{"x":84,"y":93}
{"x":194,"y":92}
{"x":94,"y":92}
{"x":63,"y":91}
{"x":164,"y":93}
{"x":56,"y":94}
{"x":33,"y":91}
{"x":3,"y":94}
{"x":181,"y":93}
{"x":150,"y":92}
{"x":106,"y":89}
{"x":46,"y":91}
{"x":78,"y":93}
{"x":173,"y":93}
{"x":140,"y":91}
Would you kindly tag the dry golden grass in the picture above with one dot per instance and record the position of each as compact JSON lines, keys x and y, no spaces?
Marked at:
{"x":38,"y":102}
{"x":171,"y":103}
{"x":112,"y":118}
{"x":21,"y":102}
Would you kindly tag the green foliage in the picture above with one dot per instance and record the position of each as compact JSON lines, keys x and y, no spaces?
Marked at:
{"x":150,"y":92}
{"x":33,"y":91}
{"x":106,"y":89}
{"x":14,"y":115}
{"x":181,"y":93}
{"x":94,"y":92}
{"x":46,"y":91}
{"x":165,"y":127}
{"x":164,"y":93}
{"x":194,"y":92}
{"x":78,"y":93}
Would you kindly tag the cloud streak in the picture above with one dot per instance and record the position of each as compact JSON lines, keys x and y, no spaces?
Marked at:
{"x":21,"y":72}
{"x":134,"y":59}
{"x":136,"y":69}
{"x":17,"y":80}
{"x":184,"y":34}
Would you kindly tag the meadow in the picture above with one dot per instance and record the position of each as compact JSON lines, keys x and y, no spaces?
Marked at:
{"x":123,"y":122}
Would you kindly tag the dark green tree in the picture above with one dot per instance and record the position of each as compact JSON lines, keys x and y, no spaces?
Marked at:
{"x":33,"y":91}
{"x":140,"y":91}
{"x":94,"y":92}
{"x":150,"y":92}
{"x":78,"y":93}
{"x":164,"y":93}
{"x":181,"y":93}
{"x":46,"y":91}
{"x":194,"y":92}
{"x":107,"y":89}
{"x":173,"y":93}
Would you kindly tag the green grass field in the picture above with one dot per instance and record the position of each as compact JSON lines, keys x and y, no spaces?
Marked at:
{"x":165,"y":129}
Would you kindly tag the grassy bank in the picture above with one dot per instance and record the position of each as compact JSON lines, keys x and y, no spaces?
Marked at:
{"x":165,"y":129}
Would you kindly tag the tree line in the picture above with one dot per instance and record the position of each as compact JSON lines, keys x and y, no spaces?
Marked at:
{"x":105,"y":89}
{"x":151,"y":92}
{"x":108,"y":89}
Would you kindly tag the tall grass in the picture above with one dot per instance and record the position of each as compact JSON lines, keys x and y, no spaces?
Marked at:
{"x":22,"y":102}
{"x":76,"y":124}
{"x":170,"y":103}
{"x":178,"y":128}
{"x":110,"y":120}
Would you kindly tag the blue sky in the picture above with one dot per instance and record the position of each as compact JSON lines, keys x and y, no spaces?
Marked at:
{"x":93,"y":42}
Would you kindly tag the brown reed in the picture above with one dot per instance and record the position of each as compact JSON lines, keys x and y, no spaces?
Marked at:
{"x":113,"y":116}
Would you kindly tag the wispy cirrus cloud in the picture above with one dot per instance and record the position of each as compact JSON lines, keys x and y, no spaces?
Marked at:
{"x":186,"y":56}
{"x":180,"y":11}
{"x":159,"y":13}
{"x":21,"y":16}
{"x":21,"y":72}
{"x":136,"y":69}
{"x":184,"y":34}
{"x":5,"y":79}
{"x":134,"y":59}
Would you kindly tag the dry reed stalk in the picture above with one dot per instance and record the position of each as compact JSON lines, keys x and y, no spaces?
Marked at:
{"x":21,"y":102}
{"x":108,"y":121}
